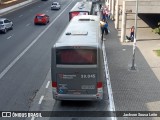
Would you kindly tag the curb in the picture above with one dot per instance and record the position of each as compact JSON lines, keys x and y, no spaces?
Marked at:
{"x":14,"y":7}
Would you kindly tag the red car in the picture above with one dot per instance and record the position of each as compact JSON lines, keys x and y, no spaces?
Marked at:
{"x":41,"y":19}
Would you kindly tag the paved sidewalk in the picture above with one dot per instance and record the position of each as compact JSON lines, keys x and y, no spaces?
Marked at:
{"x":133,"y":90}
{"x":7,"y":3}
{"x":14,"y":5}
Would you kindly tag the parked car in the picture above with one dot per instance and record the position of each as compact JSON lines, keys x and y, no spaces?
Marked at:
{"x":41,"y":19}
{"x":5,"y":25}
{"x":55,"y":6}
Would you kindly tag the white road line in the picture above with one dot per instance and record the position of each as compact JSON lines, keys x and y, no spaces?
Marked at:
{"x":20,"y":15}
{"x":111,"y":101}
{"x":48,"y":84}
{"x":40,"y":100}
{"x":32,"y":118}
{"x":30,"y":45}
{"x":9,"y":37}
{"x":28,"y":24}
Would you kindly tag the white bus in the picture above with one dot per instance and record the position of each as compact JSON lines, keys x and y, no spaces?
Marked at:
{"x":81,"y":8}
{"x":77,"y":67}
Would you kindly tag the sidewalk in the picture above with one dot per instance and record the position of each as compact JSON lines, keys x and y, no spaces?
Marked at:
{"x":6,"y":7}
{"x":7,"y":3}
{"x":133,"y":90}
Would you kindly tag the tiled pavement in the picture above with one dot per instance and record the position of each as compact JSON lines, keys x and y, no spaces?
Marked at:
{"x":137,"y":90}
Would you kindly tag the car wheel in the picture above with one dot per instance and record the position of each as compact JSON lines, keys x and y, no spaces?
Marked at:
{"x":11,"y":27}
{"x":5,"y":30}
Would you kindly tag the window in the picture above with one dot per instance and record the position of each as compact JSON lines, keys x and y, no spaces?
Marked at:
{"x":7,"y":21}
{"x":54,"y":3}
{"x":1,"y":22}
{"x":39,"y":17}
{"x":76,"y":13}
{"x":76,"y":56}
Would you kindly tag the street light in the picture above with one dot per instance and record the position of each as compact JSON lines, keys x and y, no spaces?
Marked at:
{"x":135,"y":38}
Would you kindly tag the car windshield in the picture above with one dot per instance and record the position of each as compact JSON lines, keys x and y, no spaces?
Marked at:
{"x":54,"y":3}
{"x":39,"y":17}
{"x":1,"y":22}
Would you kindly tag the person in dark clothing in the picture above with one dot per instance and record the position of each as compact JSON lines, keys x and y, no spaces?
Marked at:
{"x":104,"y":28}
{"x":132,"y":33}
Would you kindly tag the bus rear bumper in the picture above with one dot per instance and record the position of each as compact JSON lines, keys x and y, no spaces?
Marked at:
{"x":92,"y":97}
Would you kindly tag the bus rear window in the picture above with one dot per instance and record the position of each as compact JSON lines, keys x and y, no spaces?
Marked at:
{"x":76,"y":13}
{"x":76,"y":56}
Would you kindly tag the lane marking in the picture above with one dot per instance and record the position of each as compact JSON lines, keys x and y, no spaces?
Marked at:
{"x":20,"y":15}
{"x":30,"y":45}
{"x":48,"y":84}
{"x":40,"y":100}
{"x":109,"y":87}
{"x":28,"y":24}
{"x":9,"y":37}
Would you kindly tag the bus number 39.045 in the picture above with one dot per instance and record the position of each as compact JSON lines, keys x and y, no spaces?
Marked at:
{"x":88,"y":76}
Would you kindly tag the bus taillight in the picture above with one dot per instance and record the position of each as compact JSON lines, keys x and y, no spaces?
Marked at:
{"x":54,"y":84}
{"x":99,"y":84}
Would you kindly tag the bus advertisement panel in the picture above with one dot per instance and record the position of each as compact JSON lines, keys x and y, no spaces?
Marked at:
{"x":76,"y":13}
{"x":81,"y":8}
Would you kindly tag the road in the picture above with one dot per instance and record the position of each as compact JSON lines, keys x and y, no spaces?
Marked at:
{"x":25,"y":62}
{"x":30,"y":67}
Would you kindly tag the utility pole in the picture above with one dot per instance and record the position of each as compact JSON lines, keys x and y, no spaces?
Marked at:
{"x":117,"y":15}
{"x":135,"y":38}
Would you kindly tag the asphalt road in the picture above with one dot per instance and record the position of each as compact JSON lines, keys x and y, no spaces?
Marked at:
{"x":25,"y":58}
{"x":22,"y":69}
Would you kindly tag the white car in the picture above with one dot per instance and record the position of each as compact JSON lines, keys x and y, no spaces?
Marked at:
{"x":55,"y":6}
{"x":5,"y":25}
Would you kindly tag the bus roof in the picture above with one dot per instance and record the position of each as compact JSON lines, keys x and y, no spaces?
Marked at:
{"x":82,"y":30}
{"x":82,"y":6}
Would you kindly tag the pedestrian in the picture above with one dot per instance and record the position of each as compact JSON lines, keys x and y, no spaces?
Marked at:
{"x":104,"y":28}
{"x":132,"y":33}
{"x":100,"y":6}
{"x":103,"y":15}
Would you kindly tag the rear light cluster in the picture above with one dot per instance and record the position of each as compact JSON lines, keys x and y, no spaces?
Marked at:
{"x":99,"y":90}
{"x":54,"y":84}
{"x":99,"y":85}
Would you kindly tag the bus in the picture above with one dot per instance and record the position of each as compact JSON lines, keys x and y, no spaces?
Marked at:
{"x":81,"y":8}
{"x":77,"y":65}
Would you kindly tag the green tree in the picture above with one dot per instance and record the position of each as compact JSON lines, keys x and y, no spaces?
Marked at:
{"x":157,"y":30}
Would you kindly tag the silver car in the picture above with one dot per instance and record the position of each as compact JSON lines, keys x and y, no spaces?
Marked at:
{"x":55,"y":6}
{"x":5,"y":25}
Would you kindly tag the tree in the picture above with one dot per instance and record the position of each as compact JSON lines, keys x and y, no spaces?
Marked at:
{"x":157,"y":30}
